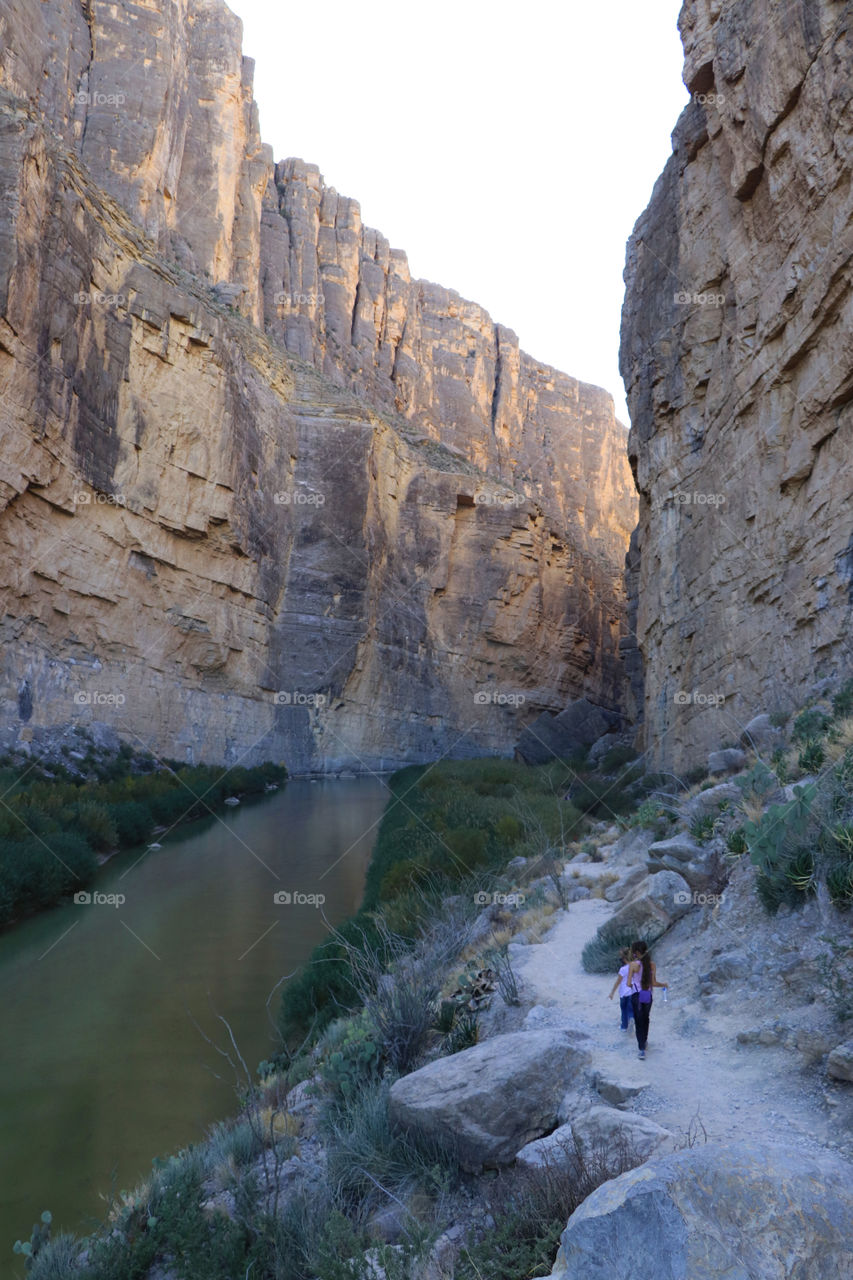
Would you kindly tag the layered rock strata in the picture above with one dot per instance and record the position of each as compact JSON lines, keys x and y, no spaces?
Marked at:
{"x":221,"y":534}
{"x":737,"y":351}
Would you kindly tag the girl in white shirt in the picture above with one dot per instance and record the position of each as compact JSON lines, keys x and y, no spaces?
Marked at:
{"x":625,"y":1003}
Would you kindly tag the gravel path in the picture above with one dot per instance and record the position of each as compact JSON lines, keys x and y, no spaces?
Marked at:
{"x":693,"y":1063}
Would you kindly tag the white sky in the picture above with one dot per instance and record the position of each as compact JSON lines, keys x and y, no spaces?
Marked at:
{"x":507,"y":147}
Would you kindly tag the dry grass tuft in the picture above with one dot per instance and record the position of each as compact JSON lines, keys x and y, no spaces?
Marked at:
{"x":840,"y":740}
{"x":752,"y":808}
{"x":275,"y":1124}
{"x":538,"y":920}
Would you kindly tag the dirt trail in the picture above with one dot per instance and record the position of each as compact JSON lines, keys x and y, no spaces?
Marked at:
{"x":693,"y":1062}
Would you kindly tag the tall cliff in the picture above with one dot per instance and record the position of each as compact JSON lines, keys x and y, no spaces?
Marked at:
{"x":737,"y":351}
{"x":262,"y":495}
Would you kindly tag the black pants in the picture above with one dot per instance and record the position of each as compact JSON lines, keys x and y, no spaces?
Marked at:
{"x":642,"y":1012}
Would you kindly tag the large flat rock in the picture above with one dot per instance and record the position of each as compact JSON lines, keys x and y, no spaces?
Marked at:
{"x":715,"y":1213}
{"x":489,"y":1101}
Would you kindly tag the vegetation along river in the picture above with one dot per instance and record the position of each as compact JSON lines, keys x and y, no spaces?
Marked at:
{"x":102,"y":1067}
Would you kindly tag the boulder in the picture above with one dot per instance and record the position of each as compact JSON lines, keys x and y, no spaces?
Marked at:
{"x":762,"y":736}
{"x":729,"y":760}
{"x":657,"y":902}
{"x":812,"y":1043}
{"x":618,"y":1091}
{"x":576,"y":892}
{"x":710,"y":801}
{"x":603,"y":1127}
{"x":594,"y":1130}
{"x":487,"y":1102}
{"x":677,"y":849}
{"x":555,"y":1148}
{"x":716,"y":1213}
{"x":599,"y":749}
{"x":627,"y":882}
{"x":629,"y":849}
{"x":698,"y":864}
{"x":563,"y":735}
{"x":839,"y":1064}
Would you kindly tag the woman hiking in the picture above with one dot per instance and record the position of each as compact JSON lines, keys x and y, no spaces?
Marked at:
{"x":642,"y":978}
{"x":625,"y":1005}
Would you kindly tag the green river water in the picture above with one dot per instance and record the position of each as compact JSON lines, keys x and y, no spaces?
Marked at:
{"x":101,"y":1065}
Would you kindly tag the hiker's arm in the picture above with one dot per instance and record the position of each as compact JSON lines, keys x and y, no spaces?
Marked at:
{"x":615,"y":985}
{"x":655,"y":982}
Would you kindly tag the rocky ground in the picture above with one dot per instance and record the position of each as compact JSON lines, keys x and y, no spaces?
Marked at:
{"x":697,"y":1077}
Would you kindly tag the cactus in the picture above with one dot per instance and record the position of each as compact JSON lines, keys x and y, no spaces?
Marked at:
{"x":38,"y":1239}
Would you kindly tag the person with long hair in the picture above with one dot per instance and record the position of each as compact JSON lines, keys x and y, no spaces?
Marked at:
{"x":642,"y":978}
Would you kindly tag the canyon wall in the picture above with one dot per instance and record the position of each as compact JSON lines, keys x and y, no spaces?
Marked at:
{"x":737,"y":352}
{"x":239,"y":522}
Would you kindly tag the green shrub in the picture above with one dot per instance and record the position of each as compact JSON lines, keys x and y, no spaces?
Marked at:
{"x":760,"y":781}
{"x":809,"y":724}
{"x":601,"y":953}
{"x":364,"y":1149}
{"x":736,"y":841}
{"x":36,"y":873}
{"x":134,"y":822}
{"x":240,"y":1143}
{"x":97,"y":825}
{"x":508,"y":829}
{"x":842,"y":703}
{"x":839,"y":882}
{"x":811,"y":757}
{"x":169,"y":1221}
{"x":463,"y":1033}
{"x":50,"y":829}
{"x":57,"y":1260}
{"x":528,"y":1209}
{"x":355,"y":1060}
{"x":702,"y":828}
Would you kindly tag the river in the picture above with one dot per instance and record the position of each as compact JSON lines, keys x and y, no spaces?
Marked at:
{"x":101,"y":1064}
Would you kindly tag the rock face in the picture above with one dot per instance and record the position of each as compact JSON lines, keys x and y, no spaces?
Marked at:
{"x":343,"y":533}
{"x":737,"y":349}
{"x":715,"y":1213}
{"x":489,"y":1101}
{"x":337,"y":294}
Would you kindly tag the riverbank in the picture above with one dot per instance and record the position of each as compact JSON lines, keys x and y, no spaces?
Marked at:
{"x":66,"y":813}
{"x":107,"y":1004}
{"x":458,"y":1022}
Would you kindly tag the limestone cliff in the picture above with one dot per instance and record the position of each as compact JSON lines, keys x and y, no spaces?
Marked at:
{"x":236,"y":524}
{"x":737,"y":351}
